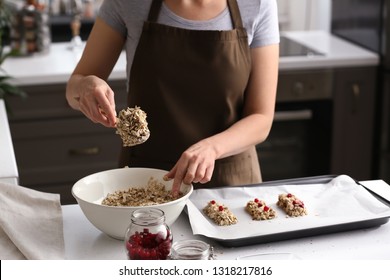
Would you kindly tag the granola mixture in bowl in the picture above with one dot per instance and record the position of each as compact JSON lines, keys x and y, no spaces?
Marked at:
{"x":153,"y":193}
{"x":91,"y":190}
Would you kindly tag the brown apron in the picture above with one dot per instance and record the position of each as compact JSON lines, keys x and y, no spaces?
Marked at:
{"x":191,"y":84}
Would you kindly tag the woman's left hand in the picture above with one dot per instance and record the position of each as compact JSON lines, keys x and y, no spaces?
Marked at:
{"x":195,"y":165}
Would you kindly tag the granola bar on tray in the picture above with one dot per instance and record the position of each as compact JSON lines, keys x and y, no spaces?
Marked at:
{"x":219,"y":213}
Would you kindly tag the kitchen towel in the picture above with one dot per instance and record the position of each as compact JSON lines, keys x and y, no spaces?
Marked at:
{"x":31,"y":225}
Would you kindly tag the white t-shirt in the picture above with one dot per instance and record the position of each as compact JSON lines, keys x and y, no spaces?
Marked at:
{"x":259,"y":17}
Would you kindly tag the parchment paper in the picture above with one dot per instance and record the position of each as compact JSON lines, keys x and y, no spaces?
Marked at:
{"x":337,"y":202}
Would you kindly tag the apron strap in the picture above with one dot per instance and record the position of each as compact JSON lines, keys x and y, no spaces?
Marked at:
{"x":154,"y":10}
{"x":235,"y":14}
{"x":233,"y":8}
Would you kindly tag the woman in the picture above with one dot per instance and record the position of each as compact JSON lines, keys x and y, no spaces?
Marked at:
{"x":204,"y":71}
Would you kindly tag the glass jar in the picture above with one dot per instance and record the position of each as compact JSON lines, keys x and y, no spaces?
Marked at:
{"x":191,"y":250}
{"x":148,"y":237}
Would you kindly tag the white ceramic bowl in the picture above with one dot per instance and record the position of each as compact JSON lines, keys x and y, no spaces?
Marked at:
{"x":114,"y":220}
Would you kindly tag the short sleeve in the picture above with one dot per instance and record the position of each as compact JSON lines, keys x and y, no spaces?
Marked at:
{"x":266,"y":27}
{"x":110,"y":12}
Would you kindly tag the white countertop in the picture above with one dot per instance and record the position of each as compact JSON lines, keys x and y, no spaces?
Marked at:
{"x":8,"y":168}
{"x":57,"y":65}
{"x":337,"y":52}
{"x":84,"y":241}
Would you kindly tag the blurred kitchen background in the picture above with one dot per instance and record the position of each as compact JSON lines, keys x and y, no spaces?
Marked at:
{"x":332,"y":106}
{"x":293,"y":15}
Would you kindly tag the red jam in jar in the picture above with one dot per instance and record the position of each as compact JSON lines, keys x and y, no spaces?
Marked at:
{"x":148,"y":237}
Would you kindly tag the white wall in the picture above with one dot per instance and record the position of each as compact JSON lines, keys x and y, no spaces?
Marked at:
{"x":304,"y":14}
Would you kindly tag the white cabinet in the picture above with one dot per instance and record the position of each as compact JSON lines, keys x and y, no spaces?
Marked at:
{"x":304,"y":14}
{"x":8,"y":168}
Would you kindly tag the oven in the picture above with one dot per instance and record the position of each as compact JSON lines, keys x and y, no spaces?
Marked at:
{"x":299,"y":143}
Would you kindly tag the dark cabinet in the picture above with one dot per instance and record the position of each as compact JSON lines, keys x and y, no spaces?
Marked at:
{"x":355,"y":94}
{"x":55,"y":145}
{"x":324,"y":124}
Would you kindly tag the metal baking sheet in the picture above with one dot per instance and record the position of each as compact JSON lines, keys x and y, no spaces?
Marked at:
{"x":357,"y":207}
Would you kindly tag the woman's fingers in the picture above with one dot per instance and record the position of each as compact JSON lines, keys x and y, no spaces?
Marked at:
{"x":106,"y":106}
{"x":207,"y":175}
{"x":97,"y":102}
{"x":190,"y":171}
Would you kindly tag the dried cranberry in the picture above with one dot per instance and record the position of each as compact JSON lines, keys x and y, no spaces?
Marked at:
{"x":256,"y":200}
{"x":212,"y":201}
{"x":220,"y":208}
{"x":289,"y":195}
{"x":266,"y":208}
{"x":149,"y":246}
{"x":164,"y":249}
{"x":298,"y":202}
{"x":153,"y":254}
{"x":259,"y":205}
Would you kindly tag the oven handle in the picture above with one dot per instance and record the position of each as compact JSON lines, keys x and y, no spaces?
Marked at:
{"x":297,"y":115}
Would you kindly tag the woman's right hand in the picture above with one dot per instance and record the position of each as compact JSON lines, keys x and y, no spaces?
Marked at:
{"x":92,"y":96}
{"x":87,"y":89}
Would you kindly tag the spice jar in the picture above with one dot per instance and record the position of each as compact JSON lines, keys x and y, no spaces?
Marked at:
{"x":148,"y":237}
{"x":191,"y":250}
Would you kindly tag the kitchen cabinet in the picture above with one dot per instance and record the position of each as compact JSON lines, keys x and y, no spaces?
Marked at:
{"x":8,"y":168}
{"x":55,"y":145}
{"x":355,"y":95}
{"x":324,"y":124}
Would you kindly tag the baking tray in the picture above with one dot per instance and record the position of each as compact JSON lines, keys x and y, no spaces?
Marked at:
{"x":294,"y":234}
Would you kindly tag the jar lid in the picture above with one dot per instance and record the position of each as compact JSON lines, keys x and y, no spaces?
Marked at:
{"x":148,"y":216}
{"x":191,"y":250}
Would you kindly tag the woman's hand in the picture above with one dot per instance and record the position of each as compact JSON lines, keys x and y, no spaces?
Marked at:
{"x":196,"y":165}
{"x":87,"y":89}
{"x":92,"y":96}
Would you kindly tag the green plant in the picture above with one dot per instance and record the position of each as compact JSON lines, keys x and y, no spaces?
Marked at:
{"x":6,"y":88}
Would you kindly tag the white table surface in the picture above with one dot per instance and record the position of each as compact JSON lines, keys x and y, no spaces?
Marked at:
{"x":84,"y":241}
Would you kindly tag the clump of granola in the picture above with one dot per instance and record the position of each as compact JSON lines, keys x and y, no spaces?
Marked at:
{"x":154,"y":193}
{"x":293,"y":206}
{"x":132,"y":126}
{"x":220,"y":214}
{"x":259,"y":210}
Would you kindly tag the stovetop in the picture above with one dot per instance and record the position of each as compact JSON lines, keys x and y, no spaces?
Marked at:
{"x":290,"y":47}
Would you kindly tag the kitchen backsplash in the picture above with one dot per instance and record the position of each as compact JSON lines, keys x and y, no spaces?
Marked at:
{"x":304,"y":14}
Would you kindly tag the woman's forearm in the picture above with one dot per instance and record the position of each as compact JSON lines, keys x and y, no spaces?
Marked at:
{"x":245,"y":133}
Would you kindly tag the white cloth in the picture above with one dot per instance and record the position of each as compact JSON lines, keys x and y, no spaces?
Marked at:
{"x":31,"y":225}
